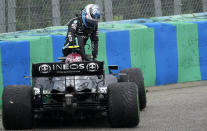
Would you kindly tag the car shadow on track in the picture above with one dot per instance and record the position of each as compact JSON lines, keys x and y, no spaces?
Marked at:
{"x":68,"y":124}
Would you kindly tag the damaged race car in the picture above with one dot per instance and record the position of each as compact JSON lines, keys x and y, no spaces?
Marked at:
{"x":76,"y":87}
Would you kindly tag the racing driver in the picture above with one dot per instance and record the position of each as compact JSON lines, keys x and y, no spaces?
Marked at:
{"x":81,"y":28}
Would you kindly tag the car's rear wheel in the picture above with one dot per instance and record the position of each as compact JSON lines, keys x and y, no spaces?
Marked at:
{"x":135,"y":75}
{"x":123,"y":104}
{"x":17,"y":107}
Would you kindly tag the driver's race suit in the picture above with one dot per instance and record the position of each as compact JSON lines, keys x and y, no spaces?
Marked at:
{"x":79,"y":34}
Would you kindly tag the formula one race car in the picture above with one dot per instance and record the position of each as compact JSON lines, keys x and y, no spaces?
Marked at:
{"x":75,"y":86}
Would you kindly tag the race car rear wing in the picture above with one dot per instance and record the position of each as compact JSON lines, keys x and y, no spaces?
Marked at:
{"x":63,"y":69}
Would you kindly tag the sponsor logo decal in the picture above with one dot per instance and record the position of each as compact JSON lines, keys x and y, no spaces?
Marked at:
{"x":64,"y":68}
{"x":44,"y":68}
{"x":75,"y":21}
{"x":92,"y":67}
{"x":74,"y":26}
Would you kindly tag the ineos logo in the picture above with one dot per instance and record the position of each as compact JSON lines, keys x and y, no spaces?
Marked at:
{"x":64,"y":67}
{"x":92,"y":67}
{"x":44,"y":68}
{"x":74,"y":66}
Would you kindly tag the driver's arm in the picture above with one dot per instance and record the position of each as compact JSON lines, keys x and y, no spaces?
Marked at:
{"x":94,"y":43}
{"x":70,"y":38}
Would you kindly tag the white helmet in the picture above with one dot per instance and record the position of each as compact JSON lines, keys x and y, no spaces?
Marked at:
{"x":90,"y":15}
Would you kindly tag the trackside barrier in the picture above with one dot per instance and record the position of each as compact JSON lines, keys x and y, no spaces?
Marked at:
{"x":166,"y":51}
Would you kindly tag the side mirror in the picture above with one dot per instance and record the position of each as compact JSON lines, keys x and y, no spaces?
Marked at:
{"x":112,"y":67}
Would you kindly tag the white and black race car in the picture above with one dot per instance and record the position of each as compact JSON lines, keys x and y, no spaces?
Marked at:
{"x":80,"y":87}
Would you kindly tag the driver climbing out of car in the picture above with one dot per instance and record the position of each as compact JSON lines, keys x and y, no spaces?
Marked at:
{"x":81,"y":28}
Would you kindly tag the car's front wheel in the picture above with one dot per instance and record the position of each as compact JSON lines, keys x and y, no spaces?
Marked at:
{"x":135,"y":75}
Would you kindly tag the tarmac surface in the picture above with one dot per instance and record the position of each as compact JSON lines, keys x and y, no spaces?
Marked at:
{"x":177,"y":107}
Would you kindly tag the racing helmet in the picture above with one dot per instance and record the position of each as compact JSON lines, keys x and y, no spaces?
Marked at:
{"x":90,"y":15}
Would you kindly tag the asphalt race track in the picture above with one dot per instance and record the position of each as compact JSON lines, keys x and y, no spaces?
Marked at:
{"x":179,"y":107}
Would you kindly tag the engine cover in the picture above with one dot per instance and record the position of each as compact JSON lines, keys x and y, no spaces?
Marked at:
{"x":79,"y":83}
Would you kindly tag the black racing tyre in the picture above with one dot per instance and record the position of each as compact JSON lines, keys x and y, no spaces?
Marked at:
{"x":123,"y":104}
{"x":135,"y":75}
{"x":17,"y":107}
{"x":110,"y":79}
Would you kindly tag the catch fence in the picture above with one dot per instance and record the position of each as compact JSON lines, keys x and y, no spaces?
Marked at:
{"x":18,"y":15}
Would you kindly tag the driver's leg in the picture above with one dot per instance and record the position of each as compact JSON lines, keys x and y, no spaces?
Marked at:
{"x":82,"y":43}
